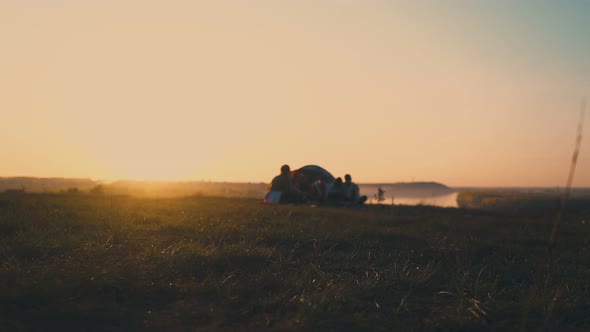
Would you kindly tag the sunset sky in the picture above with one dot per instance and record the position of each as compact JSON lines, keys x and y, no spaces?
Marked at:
{"x":467,"y":93}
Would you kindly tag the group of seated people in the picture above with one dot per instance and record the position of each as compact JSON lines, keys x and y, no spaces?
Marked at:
{"x":300,"y":188}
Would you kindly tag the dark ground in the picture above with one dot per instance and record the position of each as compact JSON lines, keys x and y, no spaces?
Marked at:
{"x":77,"y":262}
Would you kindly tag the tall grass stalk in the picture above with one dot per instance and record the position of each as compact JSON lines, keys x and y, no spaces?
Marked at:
{"x":544,"y":263}
{"x":570,"y":179}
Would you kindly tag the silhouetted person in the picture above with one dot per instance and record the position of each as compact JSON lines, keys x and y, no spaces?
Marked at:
{"x":319,"y":190}
{"x":336,"y":191}
{"x":352,"y":192}
{"x":282,"y":184}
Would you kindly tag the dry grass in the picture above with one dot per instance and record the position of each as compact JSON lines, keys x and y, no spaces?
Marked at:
{"x":116,"y":263}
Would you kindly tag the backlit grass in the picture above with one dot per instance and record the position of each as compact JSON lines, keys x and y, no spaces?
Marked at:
{"x":117,"y":263}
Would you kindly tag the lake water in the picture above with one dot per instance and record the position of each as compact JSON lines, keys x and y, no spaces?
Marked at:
{"x":444,"y":200}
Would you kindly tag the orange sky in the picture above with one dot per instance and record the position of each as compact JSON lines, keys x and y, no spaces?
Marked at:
{"x":467,"y":93}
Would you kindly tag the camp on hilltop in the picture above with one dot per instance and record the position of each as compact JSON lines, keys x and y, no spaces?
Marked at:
{"x":312,"y":184}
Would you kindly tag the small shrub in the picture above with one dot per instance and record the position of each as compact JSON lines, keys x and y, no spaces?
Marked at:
{"x":380,"y":195}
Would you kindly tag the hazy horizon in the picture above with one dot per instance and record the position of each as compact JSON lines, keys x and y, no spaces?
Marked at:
{"x":465,"y":93}
{"x":188,"y":181}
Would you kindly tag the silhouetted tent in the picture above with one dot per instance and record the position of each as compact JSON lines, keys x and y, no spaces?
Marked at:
{"x":312,"y":173}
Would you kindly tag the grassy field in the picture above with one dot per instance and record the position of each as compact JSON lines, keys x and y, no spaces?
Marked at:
{"x":118,"y":263}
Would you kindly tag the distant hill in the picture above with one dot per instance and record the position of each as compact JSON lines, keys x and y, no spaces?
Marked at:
{"x":32,"y":184}
{"x":409,"y":189}
{"x":130,"y":187}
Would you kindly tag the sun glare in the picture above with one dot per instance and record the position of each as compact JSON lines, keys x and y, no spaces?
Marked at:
{"x":145,"y":163}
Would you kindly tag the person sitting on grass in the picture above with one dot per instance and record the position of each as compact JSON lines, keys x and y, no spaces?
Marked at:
{"x":282,"y":190}
{"x":319,"y":190}
{"x":352,"y":191}
{"x":336,"y":192}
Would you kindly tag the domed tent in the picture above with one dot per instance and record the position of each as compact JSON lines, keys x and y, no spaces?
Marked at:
{"x":311,"y":173}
